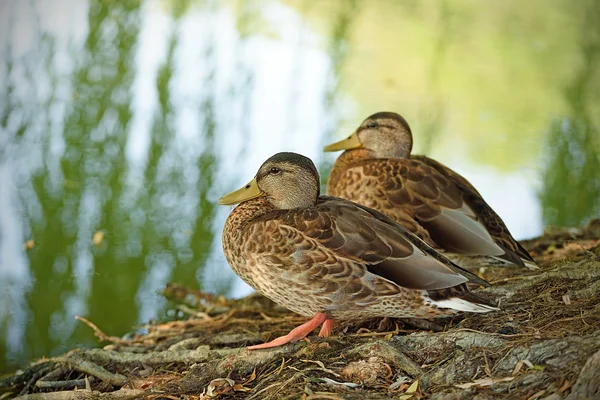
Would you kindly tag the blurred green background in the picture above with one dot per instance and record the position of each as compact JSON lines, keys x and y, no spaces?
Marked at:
{"x":122,"y":122}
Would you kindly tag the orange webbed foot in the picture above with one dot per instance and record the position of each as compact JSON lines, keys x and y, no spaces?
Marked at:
{"x":327,"y":328}
{"x":299,"y":332}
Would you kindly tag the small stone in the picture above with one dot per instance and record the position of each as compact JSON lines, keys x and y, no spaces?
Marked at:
{"x":508,"y":330}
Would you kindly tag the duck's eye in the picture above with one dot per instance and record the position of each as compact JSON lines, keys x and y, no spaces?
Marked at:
{"x":372,"y":124}
{"x":274,"y":170}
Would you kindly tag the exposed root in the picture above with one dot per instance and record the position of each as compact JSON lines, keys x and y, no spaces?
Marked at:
{"x":99,"y":334}
{"x":122,"y":394}
{"x":62,"y":385}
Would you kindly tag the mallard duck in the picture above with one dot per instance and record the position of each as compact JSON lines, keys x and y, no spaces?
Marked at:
{"x":332,"y":259}
{"x":429,"y":199}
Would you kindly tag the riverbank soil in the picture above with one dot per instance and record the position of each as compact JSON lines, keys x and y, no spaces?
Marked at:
{"x":543,"y":344}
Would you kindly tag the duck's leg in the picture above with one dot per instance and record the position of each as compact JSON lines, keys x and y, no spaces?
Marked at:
{"x":296,"y":333}
{"x":326,"y":328}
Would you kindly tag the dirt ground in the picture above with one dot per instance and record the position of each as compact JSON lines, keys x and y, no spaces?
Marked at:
{"x":543,"y":344}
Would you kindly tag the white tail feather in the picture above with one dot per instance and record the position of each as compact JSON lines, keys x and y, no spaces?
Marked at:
{"x":457,"y":304}
{"x":530,"y":264}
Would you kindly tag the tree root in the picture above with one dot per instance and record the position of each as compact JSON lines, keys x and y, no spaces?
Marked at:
{"x":27,"y":379}
{"x":121,"y":394}
{"x":62,"y":385}
{"x":90,"y":368}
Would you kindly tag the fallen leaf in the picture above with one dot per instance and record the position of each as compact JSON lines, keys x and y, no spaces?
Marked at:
{"x":238,"y":387}
{"x":411,"y":391}
{"x":483,"y":382}
{"x":251,"y":378}
{"x":332,"y":382}
{"x":398,"y":382}
{"x":219,"y":386}
{"x":520,"y":365}
{"x":413,"y":387}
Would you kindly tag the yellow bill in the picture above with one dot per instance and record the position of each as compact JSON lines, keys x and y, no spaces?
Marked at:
{"x":351,"y":142}
{"x":248,"y":192}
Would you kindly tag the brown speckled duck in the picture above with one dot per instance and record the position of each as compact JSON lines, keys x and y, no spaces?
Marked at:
{"x":332,"y":259}
{"x":434,"y":202}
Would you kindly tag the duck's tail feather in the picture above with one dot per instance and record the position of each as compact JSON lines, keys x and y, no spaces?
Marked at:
{"x":458,"y":304}
{"x":518,"y":261}
{"x":460,"y":299}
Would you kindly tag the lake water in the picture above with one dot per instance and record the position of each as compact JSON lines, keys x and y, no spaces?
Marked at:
{"x":122,"y":123}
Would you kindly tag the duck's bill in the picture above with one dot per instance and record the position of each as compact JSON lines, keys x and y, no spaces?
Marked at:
{"x":248,"y":192}
{"x":351,"y":142}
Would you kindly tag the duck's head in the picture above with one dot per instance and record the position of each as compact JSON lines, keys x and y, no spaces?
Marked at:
{"x":384,"y":135}
{"x":287,"y":180}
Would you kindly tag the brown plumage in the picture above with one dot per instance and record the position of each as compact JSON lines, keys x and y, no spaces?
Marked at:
{"x":431,"y":200}
{"x":334,"y":259}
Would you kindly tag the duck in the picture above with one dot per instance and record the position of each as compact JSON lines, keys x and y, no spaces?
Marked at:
{"x":330,"y":259}
{"x":423,"y":195}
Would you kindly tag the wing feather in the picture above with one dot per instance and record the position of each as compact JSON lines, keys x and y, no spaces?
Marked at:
{"x":446,"y":206}
{"x":369,"y":241}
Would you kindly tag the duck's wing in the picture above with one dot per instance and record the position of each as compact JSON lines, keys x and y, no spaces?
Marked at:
{"x":488,"y":217}
{"x":454,"y":176}
{"x":368,"y":240}
{"x":437,"y":203}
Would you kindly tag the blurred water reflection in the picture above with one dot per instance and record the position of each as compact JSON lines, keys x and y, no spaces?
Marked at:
{"x":123,"y":122}
{"x":571,"y":176}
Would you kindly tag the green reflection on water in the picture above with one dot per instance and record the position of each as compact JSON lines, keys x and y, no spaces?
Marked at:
{"x":155,"y":225}
{"x":570,"y":192}
{"x":156,"y":215}
{"x":65,"y":264}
